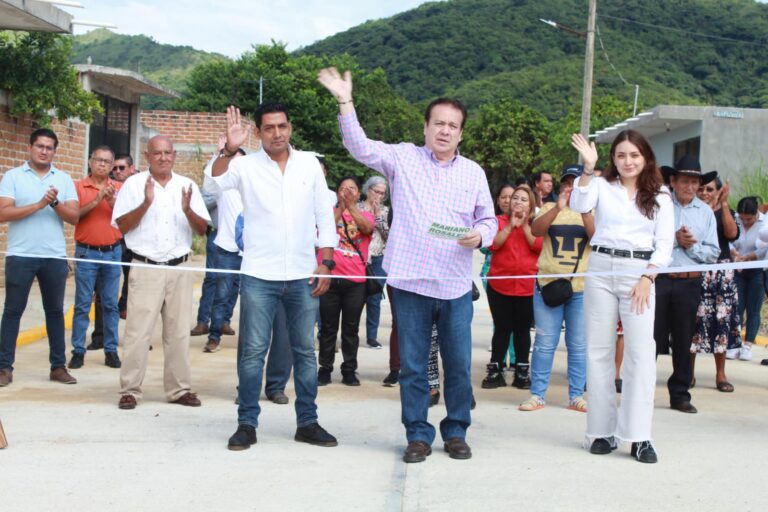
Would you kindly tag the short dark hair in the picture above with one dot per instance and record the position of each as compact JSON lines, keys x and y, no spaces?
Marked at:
{"x":450,"y":102}
{"x":269,"y":107}
{"x":124,"y":156}
{"x":537,"y":176}
{"x":102,"y":148}
{"x":348,"y":178}
{"x":522,"y":180}
{"x":748,"y":205}
{"x":44,"y":132}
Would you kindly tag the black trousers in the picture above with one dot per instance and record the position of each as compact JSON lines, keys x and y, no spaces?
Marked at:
{"x":677,"y":301}
{"x":344,"y":299}
{"x":511,"y":315}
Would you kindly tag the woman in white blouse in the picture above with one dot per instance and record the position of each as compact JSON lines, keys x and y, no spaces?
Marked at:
{"x":634,"y":234}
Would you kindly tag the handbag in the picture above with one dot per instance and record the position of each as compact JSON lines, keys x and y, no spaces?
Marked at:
{"x":373,"y":285}
{"x":559,"y":291}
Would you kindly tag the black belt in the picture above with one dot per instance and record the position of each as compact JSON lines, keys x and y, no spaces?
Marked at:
{"x":624,"y":253}
{"x":100,"y":248}
{"x":169,"y":263}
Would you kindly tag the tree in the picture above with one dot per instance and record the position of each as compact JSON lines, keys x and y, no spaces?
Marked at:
{"x":35,"y":70}
{"x":292,"y":80}
{"x":507,"y":139}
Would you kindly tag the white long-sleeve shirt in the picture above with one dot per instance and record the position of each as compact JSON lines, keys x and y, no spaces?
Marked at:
{"x":282,"y":213}
{"x":619,"y":224}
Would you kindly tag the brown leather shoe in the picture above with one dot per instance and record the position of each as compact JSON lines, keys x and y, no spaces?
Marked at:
{"x":123,"y":314}
{"x":199,"y":330}
{"x":212,"y":346}
{"x":417,"y":451}
{"x":6,"y":377}
{"x":63,"y":376}
{"x":127,"y":402}
{"x":189,"y":399}
{"x":226,"y":329}
{"x":457,"y":448}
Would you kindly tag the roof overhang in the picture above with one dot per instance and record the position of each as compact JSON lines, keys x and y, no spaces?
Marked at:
{"x":660,"y":119}
{"x":122,"y":79}
{"x":32,"y":16}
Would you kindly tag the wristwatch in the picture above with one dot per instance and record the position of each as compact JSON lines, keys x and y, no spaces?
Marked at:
{"x":54,"y":204}
{"x":329,"y":263}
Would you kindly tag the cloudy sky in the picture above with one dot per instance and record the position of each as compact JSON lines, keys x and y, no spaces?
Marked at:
{"x":232,"y":26}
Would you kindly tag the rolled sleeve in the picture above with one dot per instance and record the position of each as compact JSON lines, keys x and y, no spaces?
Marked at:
{"x":663,"y":233}
{"x":584,"y":199}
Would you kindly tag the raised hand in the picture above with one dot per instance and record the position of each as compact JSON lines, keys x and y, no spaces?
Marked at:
{"x":722,"y":195}
{"x":341,"y":88}
{"x":237,"y":132}
{"x":563,"y":198}
{"x":586,"y":149}
{"x":186,"y":199}
{"x":149,"y":190}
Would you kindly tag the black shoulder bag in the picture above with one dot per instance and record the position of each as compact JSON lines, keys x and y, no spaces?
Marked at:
{"x":372,"y":286}
{"x":560,"y":290}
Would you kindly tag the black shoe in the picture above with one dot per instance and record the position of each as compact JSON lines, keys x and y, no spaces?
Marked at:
{"x":373,"y":344}
{"x":350,"y":379}
{"x":95,"y":345}
{"x":316,"y":435}
{"x":522,"y":376}
{"x":243,"y":438}
{"x":495,"y":378}
{"x":474,"y":404}
{"x":644,"y":452}
{"x":684,"y":407}
{"x":618,"y":383}
{"x":417,"y":451}
{"x":434,"y":398}
{"x":323,"y":377}
{"x":279,"y":398}
{"x":112,"y":360}
{"x":391,"y":379}
{"x":77,"y":361}
{"x":602,"y":446}
{"x":764,"y":362}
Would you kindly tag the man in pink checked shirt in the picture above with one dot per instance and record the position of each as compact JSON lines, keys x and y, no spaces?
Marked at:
{"x":443,"y":211}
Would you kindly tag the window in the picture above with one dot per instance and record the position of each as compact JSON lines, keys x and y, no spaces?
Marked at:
{"x":688,"y":147}
{"x":113,"y":127}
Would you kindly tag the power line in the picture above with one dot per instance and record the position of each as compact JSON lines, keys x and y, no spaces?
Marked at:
{"x":673,"y":29}
{"x":602,"y":47}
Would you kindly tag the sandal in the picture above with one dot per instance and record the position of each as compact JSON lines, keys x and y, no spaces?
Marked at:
{"x":725,"y":387}
{"x":578,"y":404}
{"x":532,"y":404}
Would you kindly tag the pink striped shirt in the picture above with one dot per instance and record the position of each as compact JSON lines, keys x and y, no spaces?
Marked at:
{"x":425,"y":191}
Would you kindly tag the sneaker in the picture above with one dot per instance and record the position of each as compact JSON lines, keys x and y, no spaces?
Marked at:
{"x":112,"y":360}
{"x":745,"y":354}
{"x":323,"y":377}
{"x":95,"y":345}
{"x":279,"y":398}
{"x":495,"y":378}
{"x":391,"y":379}
{"x":603,"y":446}
{"x":532,"y":404}
{"x":62,"y":375}
{"x":243,"y":438}
{"x":77,"y":361}
{"x":316,"y":435}
{"x":644,"y":452}
{"x":212,"y":346}
{"x":732,"y":353}
{"x":374,"y":344}
{"x":350,"y":379}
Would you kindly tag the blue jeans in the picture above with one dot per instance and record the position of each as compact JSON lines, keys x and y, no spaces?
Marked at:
{"x":209,"y":283}
{"x":548,"y":323}
{"x":373,"y":303}
{"x":86,"y":275}
{"x":751,"y":288}
{"x":259,"y":300}
{"x":415,"y":314}
{"x":279,"y":360}
{"x":51,"y":276}
{"x":227,"y":288}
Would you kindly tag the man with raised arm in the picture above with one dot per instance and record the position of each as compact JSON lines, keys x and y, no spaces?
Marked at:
{"x":443,"y":211}
{"x":285,"y":207}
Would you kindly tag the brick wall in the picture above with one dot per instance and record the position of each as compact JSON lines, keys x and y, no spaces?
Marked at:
{"x":194,"y":135}
{"x":14,"y":150}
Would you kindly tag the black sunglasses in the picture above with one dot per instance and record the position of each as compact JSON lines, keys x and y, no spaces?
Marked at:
{"x":119,"y":167}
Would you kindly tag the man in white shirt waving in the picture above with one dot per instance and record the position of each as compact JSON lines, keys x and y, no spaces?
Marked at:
{"x":157,"y":211}
{"x":285,"y":207}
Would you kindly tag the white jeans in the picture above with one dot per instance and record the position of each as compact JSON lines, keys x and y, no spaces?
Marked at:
{"x":606,"y":299}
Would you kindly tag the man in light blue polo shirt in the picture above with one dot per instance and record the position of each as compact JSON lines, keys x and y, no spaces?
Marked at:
{"x":35,"y":200}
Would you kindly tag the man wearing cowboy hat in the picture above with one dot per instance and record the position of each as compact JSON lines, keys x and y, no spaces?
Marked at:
{"x":678,"y":293}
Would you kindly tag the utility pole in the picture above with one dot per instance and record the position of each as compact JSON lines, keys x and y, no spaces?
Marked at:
{"x":261,"y":89}
{"x":589,"y":59}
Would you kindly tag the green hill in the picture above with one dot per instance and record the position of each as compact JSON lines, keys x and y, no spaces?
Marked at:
{"x":166,"y":64}
{"x":484,"y":49}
